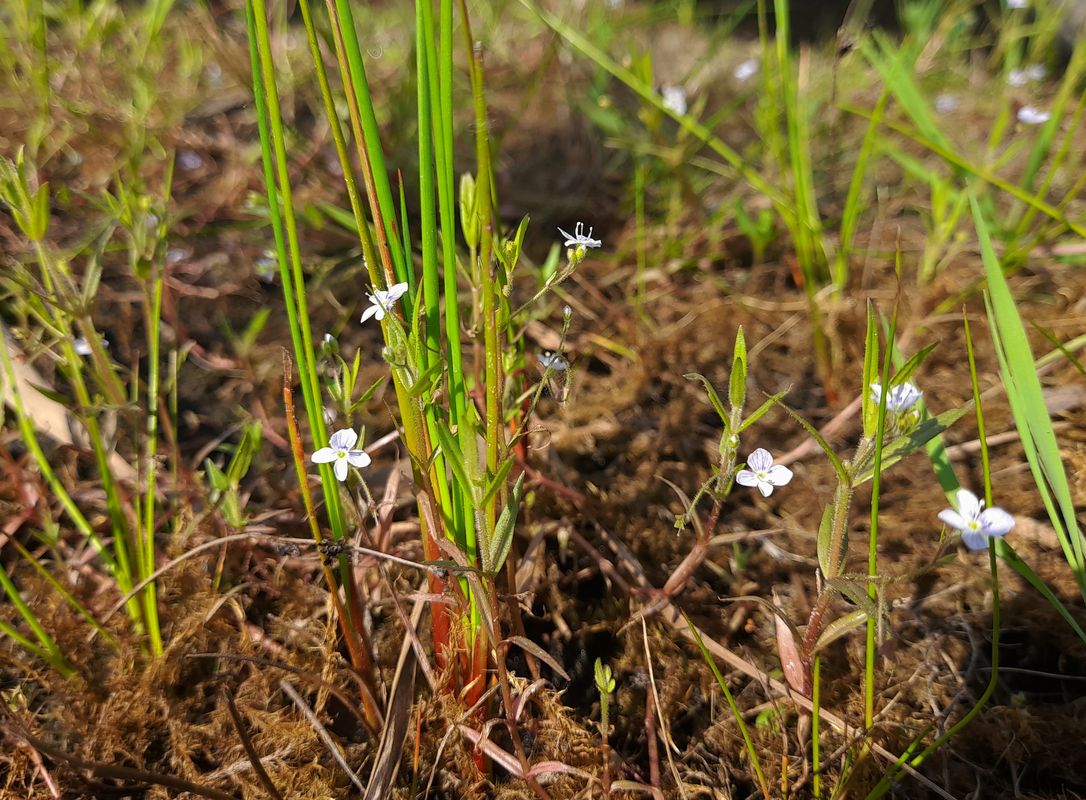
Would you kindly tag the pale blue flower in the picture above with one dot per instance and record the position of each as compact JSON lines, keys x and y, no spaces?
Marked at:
{"x":381,"y":302}
{"x":901,"y":398}
{"x":580,"y":238}
{"x":976,"y":523}
{"x":762,"y":473}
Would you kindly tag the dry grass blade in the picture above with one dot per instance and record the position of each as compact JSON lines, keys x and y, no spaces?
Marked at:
{"x":397,"y":717}
{"x":529,"y":646}
{"x":247,"y":743}
{"x":325,"y":737}
{"x":97,"y":770}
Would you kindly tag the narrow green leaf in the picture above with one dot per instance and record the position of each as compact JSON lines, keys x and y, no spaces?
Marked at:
{"x":498,"y":480}
{"x":503,"y":530}
{"x":839,"y":627}
{"x":1026,"y":397}
{"x":871,"y":372}
{"x":761,"y":410}
{"x":908,"y":369}
{"x":825,"y":540}
{"x":838,"y":466}
{"x":1011,"y":558}
{"x":903,"y":446}
{"x":737,"y":388}
{"x":451,"y":448}
{"x":714,"y":398}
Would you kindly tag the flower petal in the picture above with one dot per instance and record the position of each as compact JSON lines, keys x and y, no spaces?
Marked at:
{"x":395,"y":292}
{"x":358,"y":458}
{"x":876,"y":393}
{"x":952,"y":519}
{"x":969,"y":504}
{"x":779,"y":475}
{"x":975,"y":540}
{"x":995,"y":522}
{"x":369,"y":312}
{"x":344,"y":439}
{"x":569,"y":239}
{"x":765,"y":487}
{"x":746,"y":478}
{"x":340,"y":469}
{"x":903,"y":397}
{"x":324,"y":455}
{"x":760,"y":460}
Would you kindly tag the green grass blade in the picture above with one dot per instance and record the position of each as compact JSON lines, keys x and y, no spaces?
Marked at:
{"x":1027,"y":402}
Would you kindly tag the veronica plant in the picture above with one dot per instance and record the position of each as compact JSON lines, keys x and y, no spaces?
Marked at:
{"x":456,"y":392}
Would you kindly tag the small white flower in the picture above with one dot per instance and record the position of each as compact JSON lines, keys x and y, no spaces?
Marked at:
{"x":552,"y":361}
{"x":580,"y":238}
{"x":763,"y":473}
{"x":976,"y":523}
{"x":1020,"y":77}
{"x":747,"y":70}
{"x":382,"y":301}
{"x":1028,"y":115}
{"x":946,"y":103}
{"x":1017,"y":4}
{"x":901,"y":398}
{"x":83,"y":348}
{"x":267,"y":268}
{"x":340,"y":454}
{"x":674,"y":99}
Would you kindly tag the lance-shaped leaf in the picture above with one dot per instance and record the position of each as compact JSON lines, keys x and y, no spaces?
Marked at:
{"x":714,"y":398}
{"x":871,"y":372}
{"x":838,"y":466}
{"x":502,"y":541}
{"x":903,"y":446}
{"x":737,"y":385}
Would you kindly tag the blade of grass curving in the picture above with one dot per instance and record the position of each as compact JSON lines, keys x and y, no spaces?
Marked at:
{"x":850,"y":216}
{"x":375,"y":172}
{"x":873,"y":536}
{"x":1027,"y":402}
{"x":47,"y":648}
{"x":284,"y":228}
{"x":897,"y":75}
{"x":842,"y":471}
{"x":1062,"y":348}
{"x":651,"y":96}
{"x":890,"y":776}
{"x":1069,"y":89}
{"x":983,"y":174}
{"x":808,"y":230}
{"x":30,"y":441}
{"x":78,"y":607}
{"x":1055,"y":168}
{"x":748,"y":743}
{"x":346,"y":167}
{"x":816,"y":727}
{"x":146,"y":547}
